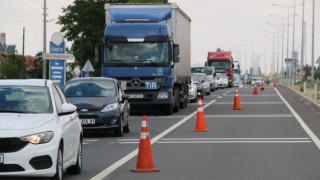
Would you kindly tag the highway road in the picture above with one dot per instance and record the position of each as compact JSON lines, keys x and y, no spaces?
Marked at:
{"x":274,"y":136}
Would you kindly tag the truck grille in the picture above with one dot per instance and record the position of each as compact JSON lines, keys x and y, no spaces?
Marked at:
{"x":11,"y":145}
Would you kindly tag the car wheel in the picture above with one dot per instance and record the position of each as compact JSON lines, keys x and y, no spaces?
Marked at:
{"x":77,"y":168}
{"x":59,"y":166}
{"x":119,"y":131}
{"x":126,"y":128}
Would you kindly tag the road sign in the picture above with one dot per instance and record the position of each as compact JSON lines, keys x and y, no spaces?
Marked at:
{"x":87,"y":68}
{"x":57,"y":65}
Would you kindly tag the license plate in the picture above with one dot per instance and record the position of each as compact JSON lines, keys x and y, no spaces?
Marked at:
{"x":1,"y":159}
{"x":150,"y":85}
{"x":88,"y":121}
{"x":135,"y":96}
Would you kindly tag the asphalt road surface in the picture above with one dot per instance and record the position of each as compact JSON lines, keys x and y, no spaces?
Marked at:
{"x":274,"y":136}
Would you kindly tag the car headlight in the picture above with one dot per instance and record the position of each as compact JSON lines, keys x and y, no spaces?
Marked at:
{"x":110,"y":107}
{"x":39,"y":138}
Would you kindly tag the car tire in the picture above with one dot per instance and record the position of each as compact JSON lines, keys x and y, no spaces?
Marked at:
{"x":126,"y":128}
{"x":77,"y":168}
{"x":119,"y":131}
{"x":59,"y":166}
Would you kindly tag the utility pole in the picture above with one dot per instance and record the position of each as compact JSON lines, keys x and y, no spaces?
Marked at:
{"x":312,"y":54}
{"x":44,"y":63}
{"x":302,"y":41}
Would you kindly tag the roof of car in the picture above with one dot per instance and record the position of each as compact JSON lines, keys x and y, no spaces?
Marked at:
{"x":27,"y":82}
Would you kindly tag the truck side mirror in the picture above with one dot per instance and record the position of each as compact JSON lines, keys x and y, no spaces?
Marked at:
{"x":205,"y":63}
{"x":232,"y":66}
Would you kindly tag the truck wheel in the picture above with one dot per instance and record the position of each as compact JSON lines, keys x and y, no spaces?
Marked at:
{"x":176,"y":103}
{"x":184,"y":103}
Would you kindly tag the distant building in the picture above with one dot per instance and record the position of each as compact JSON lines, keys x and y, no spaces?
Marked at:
{"x":5,"y":49}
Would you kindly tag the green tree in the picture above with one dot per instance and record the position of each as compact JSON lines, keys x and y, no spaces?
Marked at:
{"x":83,"y":23}
{"x":13,"y":68}
{"x":36,"y":72}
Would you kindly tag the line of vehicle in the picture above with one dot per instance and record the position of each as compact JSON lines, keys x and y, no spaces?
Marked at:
{"x":314,"y":138}
{"x":125,"y":159}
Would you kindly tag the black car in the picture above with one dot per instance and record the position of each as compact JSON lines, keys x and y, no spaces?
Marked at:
{"x":101,"y":103}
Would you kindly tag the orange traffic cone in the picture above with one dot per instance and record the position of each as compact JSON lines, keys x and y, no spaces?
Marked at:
{"x":255,"y":89}
{"x":200,"y":121}
{"x":262,"y":87}
{"x":274,"y":83}
{"x":236,"y":104}
{"x":145,"y":160}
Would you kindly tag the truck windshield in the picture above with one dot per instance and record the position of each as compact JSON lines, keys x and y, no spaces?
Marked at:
{"x":220,"y":64}
{"x":136,"y":54}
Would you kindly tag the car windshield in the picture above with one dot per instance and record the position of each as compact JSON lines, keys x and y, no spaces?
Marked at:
{"x":207,"y":70}
{"x":90,"y":88}
{"x":136,"y":54}
{"x":25,"y":99}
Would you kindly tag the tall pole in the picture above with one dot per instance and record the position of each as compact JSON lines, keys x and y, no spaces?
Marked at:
{"x":302,"y":42}
{"x":293,"y":26}
{"x":312,"y":53}
{"x":287,"y":74}
{"x":44,"y":63}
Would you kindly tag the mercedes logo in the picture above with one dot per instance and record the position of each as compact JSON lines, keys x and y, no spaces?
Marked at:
{"x":135,"y":82}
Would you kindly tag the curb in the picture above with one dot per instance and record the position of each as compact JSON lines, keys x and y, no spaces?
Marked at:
{"x":305,"y":98}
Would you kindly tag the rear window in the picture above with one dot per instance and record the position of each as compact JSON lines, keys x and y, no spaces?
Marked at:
{"x":206,"y":70}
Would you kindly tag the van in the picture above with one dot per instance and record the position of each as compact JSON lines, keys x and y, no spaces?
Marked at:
{"x":211,"y":75}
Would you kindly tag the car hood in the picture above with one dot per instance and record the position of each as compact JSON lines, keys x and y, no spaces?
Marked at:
{"x":92,"y":102}
{"x":14,"y":121}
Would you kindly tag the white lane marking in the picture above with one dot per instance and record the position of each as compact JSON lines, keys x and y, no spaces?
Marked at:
{"x":314,"y":138}
{"x":250,"y":115}
{"x":91,"y":140}
{"x":250,"y":103}
{"x":220,"y":142}
{"x":219,"y":97}
{"x":224,"y":94}
{"x":125,"y":159}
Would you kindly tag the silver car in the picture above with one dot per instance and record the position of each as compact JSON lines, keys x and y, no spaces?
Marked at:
{"x":204,"y":82}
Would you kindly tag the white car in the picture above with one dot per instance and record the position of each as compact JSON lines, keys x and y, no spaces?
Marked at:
{"x":193,"y":89}
{"x":256,"y":80}
{"x":40,"y":132}
{"x":204,"y":82}
{"x":225,"y":80}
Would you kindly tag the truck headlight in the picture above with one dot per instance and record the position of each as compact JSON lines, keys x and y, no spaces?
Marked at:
{"x":163,"y":95}
{"x":110,"y":107}
{"x":39,"y":138}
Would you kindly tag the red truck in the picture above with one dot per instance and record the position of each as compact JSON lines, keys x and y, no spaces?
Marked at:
{"x":223,"y":63}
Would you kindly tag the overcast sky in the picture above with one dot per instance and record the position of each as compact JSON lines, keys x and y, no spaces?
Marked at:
{"x":233,"y":25}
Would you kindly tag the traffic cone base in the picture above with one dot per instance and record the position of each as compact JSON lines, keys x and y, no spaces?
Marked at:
{"x":200,"y":121}
{"x":145,"y":160}
{"x":236,"y":104}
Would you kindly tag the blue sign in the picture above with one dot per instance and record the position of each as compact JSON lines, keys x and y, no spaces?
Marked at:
{"x":57,"y":71}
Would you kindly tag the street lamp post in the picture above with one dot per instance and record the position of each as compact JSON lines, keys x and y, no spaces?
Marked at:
{"x":302,"y":42}
{"x":312,"y":53}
